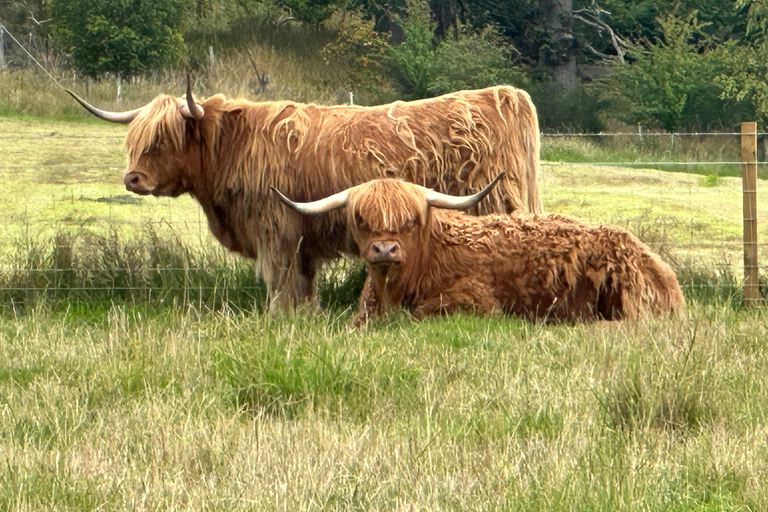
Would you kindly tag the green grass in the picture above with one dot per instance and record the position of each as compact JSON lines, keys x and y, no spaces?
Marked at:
{"x":183,"y":409}
{"x":707,"y":155}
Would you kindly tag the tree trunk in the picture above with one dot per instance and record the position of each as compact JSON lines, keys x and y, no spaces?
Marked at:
{"x":446,"y":13}
{"x":559,"y":54}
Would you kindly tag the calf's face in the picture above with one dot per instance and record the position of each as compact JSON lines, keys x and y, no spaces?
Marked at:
{"x":387,"y":219}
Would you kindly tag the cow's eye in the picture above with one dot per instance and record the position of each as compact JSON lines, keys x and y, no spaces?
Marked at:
{"x":360,"y":222}
{"x":409,"y":224}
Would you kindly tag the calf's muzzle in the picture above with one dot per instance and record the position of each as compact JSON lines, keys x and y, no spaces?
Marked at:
{"x":384,"y":251}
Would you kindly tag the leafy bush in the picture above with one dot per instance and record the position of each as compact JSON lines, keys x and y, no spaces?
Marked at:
{"x":475,"y":60}
{"x":746,"y":65}
{"x":422,"y":66}
{"x":119,"y":36}
{"x":358,"y":48}
{"x":671,"y":83}
{"x":412,"y":62}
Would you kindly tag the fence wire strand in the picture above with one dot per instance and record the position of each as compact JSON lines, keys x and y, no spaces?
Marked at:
{"x":52,"y":277}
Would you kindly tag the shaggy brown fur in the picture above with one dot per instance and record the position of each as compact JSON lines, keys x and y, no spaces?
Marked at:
{"x":544,"y":268}
{"x":228,"y":160}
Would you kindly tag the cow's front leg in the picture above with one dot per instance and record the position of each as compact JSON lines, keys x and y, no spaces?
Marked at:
{"x":369,"y":304}
{"x":465,"y":296}
{"x":290,"y":280}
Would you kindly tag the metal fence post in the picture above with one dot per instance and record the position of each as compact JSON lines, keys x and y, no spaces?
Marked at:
{"x":749,"y":187}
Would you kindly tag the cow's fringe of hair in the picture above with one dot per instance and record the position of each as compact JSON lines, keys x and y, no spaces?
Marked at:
{"x":386,"y":212}
{"x":160,"y":120}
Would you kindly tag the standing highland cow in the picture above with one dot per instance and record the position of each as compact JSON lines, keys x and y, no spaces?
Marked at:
{"x":431,"y":261}
{"x":226,"y":153}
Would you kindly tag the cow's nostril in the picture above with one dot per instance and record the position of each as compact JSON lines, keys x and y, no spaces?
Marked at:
{"x":134,"y":180}
{"x":386,"y":249}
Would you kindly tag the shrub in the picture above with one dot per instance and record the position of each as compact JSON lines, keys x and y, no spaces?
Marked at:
{"x":422,"y":66}
{"x":670,"y":83}
{"x":119,"y":36}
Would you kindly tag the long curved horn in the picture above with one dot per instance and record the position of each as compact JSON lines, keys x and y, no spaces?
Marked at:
{"x":115,"y":117}
{"x":441,"y":200}
{"x":333,"y":202}
{"x":191,"y":110}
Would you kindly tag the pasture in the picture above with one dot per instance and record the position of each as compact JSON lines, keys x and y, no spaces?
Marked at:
{"x":119,"y":393}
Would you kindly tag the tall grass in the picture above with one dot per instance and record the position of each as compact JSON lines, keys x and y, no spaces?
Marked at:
{"x":710,"y":155}
{"x":288,"y":53}
{"x":132,"y":407}
{"x":154,"y":268}
{"x":151,"y":268}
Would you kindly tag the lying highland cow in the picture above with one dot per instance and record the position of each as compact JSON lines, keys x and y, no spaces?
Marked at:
{"x":226,"y":153}
{"x":431,"y":261}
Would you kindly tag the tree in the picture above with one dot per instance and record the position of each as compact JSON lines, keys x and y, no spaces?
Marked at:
{"x":559,"y":51}
{"x":124,"y":37}
{"x":425,"y":65}
{"x":747,"y":62}
{"x":671,"y":82}
{"x":28,"y":21}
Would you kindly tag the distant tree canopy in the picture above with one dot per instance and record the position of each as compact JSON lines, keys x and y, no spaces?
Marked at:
{"x":672,"y":64}
{"x":123,"y":37}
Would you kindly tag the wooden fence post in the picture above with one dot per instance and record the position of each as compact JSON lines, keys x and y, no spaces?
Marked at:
{"x":749,"y":187}
{"x":2,"y":48}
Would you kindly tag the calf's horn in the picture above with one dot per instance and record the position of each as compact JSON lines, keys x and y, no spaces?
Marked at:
{"x":441,"y":200}
{"x":338,"y":200}
{"x":115,"y":117}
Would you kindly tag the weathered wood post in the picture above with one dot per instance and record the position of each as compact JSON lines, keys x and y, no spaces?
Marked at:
{"x":2,"y":48}
{"x":749,"y":187}
{"x":211,"y":62}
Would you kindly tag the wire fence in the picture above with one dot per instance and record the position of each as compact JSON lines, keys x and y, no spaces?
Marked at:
{"x":71,"y":230}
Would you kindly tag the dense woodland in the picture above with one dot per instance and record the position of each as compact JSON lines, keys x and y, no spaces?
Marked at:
{"x":667,"y":64}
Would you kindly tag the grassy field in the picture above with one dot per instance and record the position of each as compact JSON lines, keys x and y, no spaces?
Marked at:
{"x":132,"y":408}
{"x":127,"y":402}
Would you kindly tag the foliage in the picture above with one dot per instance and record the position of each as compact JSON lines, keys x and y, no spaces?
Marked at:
{"x":313,"y":12}
{"x":412,"y":62}
{"x":670,"y":83}
{"x":744,"y":78}
{"x":746,"y":64}
{"x":474,"y":60}
{"x":424,"y":66}
{"x":358,"y":47}
{"x":757,"y":17}
{"x":640,"y":20}
{"x":124,"y":37}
